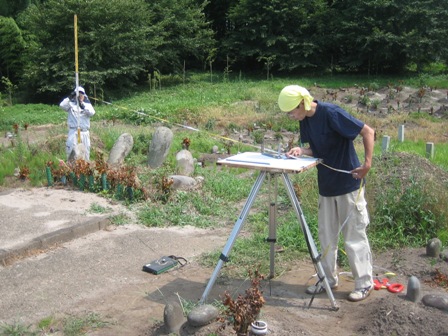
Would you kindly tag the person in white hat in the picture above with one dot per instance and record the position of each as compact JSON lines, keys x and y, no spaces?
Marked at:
{"x":79,"y":112}
{"x":330,"y":131}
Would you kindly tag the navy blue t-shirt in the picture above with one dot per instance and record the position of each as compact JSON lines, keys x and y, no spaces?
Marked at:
{"x":330,"y":133}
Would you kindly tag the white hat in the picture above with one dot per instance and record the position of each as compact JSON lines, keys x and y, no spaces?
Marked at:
{"x":80,"y":89}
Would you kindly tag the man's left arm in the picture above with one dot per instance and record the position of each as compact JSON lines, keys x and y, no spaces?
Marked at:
{"x":88,"y":109}
{"x":368,"y":139}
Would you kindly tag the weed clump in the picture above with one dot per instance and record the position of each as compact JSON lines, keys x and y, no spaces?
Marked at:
{"x":245,"y":309}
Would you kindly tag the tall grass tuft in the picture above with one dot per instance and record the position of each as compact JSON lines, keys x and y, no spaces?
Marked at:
{"x":408,"y":201}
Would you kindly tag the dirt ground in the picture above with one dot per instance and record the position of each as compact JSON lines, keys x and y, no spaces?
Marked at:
{"x":132,"y":309}
{"x":132,"y":302}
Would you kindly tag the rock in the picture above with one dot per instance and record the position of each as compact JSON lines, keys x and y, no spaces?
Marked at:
{"x":433,"y":248}
{"x":173,"y":317}
{"x":185,"y":163}
{"x":159,"y":147}
{"x":215,"y":149}
{"x":444,"y":255}
{"x":122,"y":147}
{"x":78,"y":152}
{"x":414,"y":290}
{"x":181,"y":182}
{"x":202,"y":315}
{"x":439,"y":301}
{"x":199,"y":179}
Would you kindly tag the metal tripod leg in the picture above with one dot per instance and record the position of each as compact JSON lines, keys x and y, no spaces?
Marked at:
{"x":309,"y":240}
{"x":272,"y":238}
{"x":236,"y":229}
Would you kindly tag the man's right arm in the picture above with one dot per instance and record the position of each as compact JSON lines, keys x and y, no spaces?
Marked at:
{"x":65,"y":105}
{"x":299,"y":151}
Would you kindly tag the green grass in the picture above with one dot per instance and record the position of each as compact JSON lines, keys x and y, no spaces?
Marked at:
{"x":419,"y":148}
{"x":96,"y":208}
{"x":76,"y":326}
{"x":16,"y":329}
{"x":32,"y":114}
{"x":186,"y":102}
{"x":221,"y":189}
{"x":69,"y":326}
{"x":120,"y":219}
{"x":24,"y":155}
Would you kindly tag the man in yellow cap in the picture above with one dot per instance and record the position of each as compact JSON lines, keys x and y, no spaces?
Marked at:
{"x":329,"y":132}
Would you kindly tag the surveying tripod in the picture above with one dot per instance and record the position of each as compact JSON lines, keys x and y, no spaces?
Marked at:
{"x":273,"y":168}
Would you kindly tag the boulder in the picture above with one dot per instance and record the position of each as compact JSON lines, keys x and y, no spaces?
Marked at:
{"x":202,"y":315}
{"x":181,"y":182}
{"x":159,"y":147}
{"x":173,"y":317}
{"x":439,"y":301}
{"x":122,"y":147}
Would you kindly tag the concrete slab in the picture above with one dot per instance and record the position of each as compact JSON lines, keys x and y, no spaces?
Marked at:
{"x":33,"y":220}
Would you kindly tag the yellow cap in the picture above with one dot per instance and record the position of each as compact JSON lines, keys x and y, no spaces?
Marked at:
{"x":291,"y":96}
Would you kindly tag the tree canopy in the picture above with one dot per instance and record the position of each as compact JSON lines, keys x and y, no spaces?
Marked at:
{"x":11,"y":45}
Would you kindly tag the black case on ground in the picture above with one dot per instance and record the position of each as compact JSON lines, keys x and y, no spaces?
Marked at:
{"x":160,"y":265}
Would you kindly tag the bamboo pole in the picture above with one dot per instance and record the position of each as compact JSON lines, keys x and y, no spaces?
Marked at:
{"x":77,"y":75}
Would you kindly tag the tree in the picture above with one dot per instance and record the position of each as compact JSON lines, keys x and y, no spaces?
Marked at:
{"x":116,"y":43}
{"x":278,"y":30}
{"x":12,"y":46}
{"x":385,"y":35}
{"x":185,"y":33}
{"x":217,"y":12}
{"x":11,"y":8}
{"x":425,"y":32}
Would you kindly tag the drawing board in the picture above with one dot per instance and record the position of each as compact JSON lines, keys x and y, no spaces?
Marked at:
{"x":268,"y":162}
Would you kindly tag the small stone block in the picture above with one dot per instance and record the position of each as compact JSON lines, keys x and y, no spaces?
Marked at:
{"x":173,"y":317}
{"x":433,"y":248}
{"x":414,"y":290}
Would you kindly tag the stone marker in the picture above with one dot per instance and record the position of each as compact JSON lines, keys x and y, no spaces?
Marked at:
{"x":430,"y":150}
{"x":159,"y":147}
{"x":122,"y":147}
{"x":401,"y":133}
{"x":185,"y":163}
{"x":433,"y":248}
{"x":202,"y":315}
{"x":173,"y":317}
{"x":414,"y":290}
{"x":385,"y":144}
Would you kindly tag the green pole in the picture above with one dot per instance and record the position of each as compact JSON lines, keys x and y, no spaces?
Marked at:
{"x":49,"y":177}
{"x":104,"y":181}
{"x":82,"y":181}
{"x":119,"y":191}
{"x":91,"y":182}
{"x":130,"y":192}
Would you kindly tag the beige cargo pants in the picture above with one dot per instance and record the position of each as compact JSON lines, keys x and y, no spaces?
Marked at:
{"x":346,"y":214}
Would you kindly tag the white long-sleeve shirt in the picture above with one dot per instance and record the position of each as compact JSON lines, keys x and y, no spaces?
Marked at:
{"x":71,"y":108}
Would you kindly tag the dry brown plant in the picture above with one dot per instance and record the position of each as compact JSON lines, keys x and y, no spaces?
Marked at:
{"x":245,"y":309}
